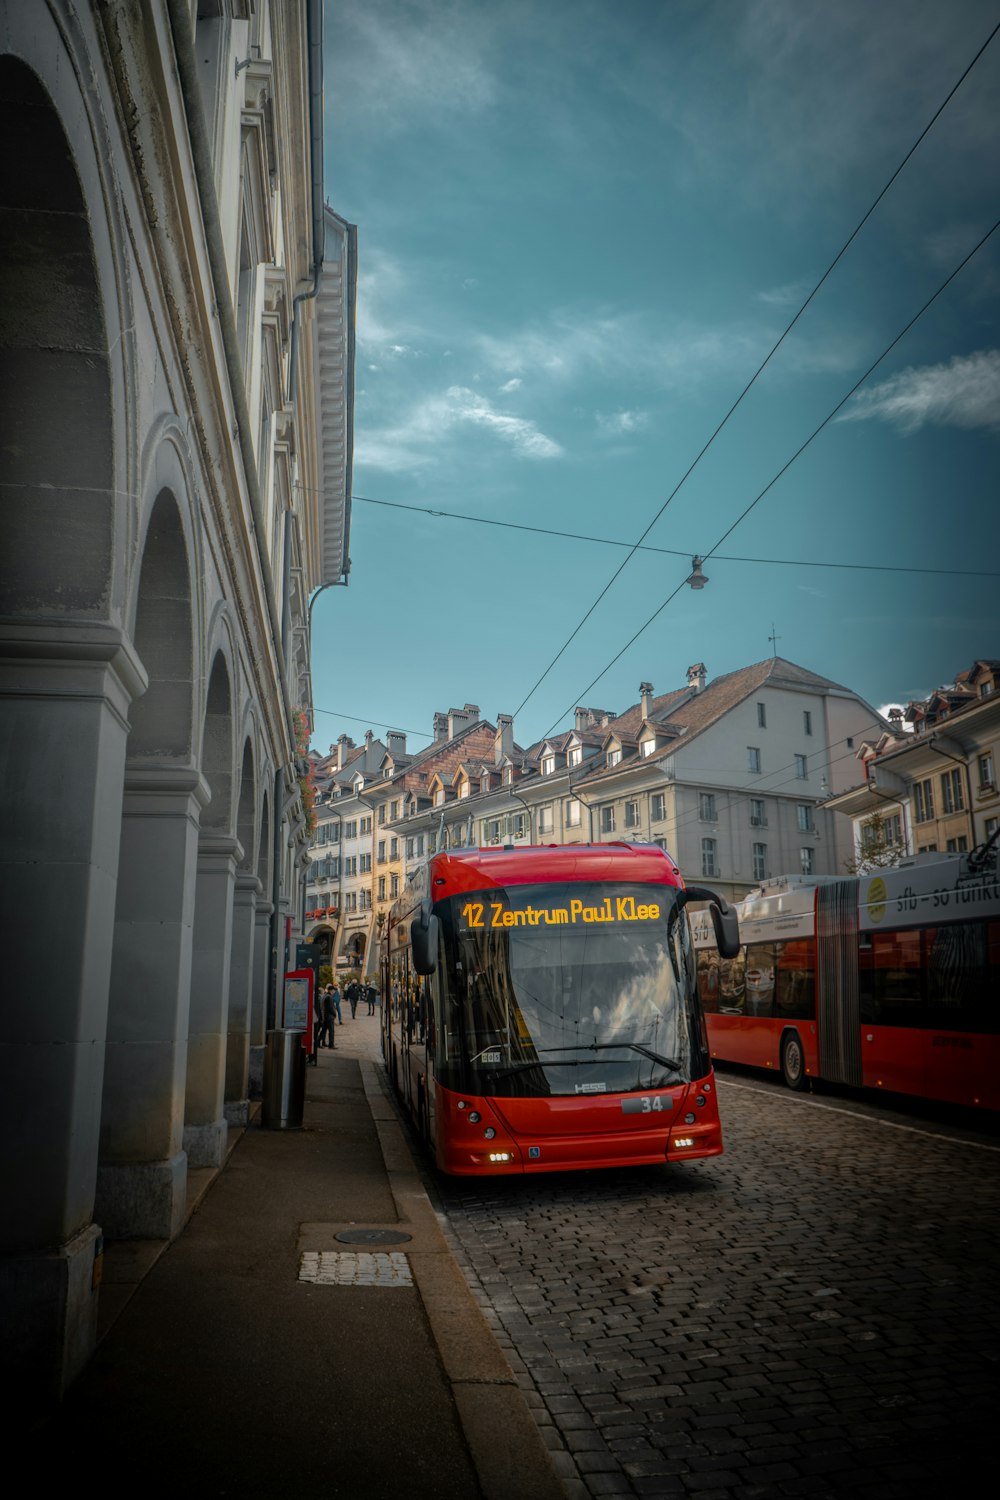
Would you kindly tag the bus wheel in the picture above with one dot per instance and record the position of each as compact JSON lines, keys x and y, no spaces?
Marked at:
{"x":793,"y":1063}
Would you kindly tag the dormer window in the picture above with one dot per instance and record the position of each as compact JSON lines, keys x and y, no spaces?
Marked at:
{"x":484,"y":784}
{"x":464,"y":789}
{"x":648,"y":746}
{"x":508,"y":775}
{"x":614,"y":756}
{"x":439,"y":797}
{"x":575,"y":755}
{"x":548,"y":765}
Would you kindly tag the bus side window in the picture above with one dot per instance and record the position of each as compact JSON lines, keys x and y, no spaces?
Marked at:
{"x":897,"y":991}
{"x":962,"y":963}
{"x":795,"y":997}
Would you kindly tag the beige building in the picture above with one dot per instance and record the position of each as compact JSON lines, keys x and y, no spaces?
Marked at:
{"x":175,"y":468}
{"x":940,"y":779}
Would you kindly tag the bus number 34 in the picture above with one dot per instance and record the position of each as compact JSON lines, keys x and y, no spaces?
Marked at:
{"x":646,"y":1104}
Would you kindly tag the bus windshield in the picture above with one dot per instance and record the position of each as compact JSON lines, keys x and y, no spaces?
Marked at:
{"x":583,"y":988}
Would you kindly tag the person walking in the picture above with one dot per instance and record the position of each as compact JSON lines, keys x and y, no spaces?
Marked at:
{"x":371,"y":995}
{"x":328,"y":1014}
{"x":353,"y":992}
{"x":334,"y":1000}
{"x":319,"y":1022}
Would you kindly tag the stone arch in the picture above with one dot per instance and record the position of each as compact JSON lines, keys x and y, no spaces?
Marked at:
{"x":265,"y":846}
{"x":56,"y":424}
{"x":217,"y":747}
{"x":246,"y":810}
{"x":162,"y":720}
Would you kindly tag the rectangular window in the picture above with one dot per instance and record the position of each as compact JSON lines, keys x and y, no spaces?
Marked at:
{"x":394,"y":848}
{"x":491,"y":831}
{"x":420,"y":846}
{"x":351,"y":829}
{"x":801,"y":768}
{"x":760,"y":861}
{"x":806,"y":861}
{"x":706,"y":807}
{"x":614,"y":756}
{"x":381,"y":851}
{"x":409,"y":848}
{"x":394,"y":886}
{"x":607,"y":820}
{"x":952,"y":799}
{"x":574,"y":811}
{"x":807,"y":721}
{"x":957,"y":846}
{"x":753,"y":759}
{"x":381,"y":815}
{"x":658,"y":807}
{"x":545,"y":819}
{"x":334,"y":869}
{"x":987,"y":778}
{"x":923,"y":801}
{"x":548,"y":765}
{"x":761,"y":716}
{"x":351,"y":865}
{"x":365,"y":864}
{"x":334,"y":833}
{"x":366,"y":825}
{"x":631,"y":815}
{"x":805,"y":813}
{"x":709,"y":857}
{"x":394,"y":811}
{"x":575,"y":756}
{"x":321,"y":833}
{"x":758,"y":817}
{"x":648,"y":746}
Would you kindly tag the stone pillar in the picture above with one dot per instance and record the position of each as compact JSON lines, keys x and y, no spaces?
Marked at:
{"x":65,"y":690}
{"x":142,"y":1177}
{"x":258,"y":995}
{"x":237,"y":1103}
{"x":205,"y":1129}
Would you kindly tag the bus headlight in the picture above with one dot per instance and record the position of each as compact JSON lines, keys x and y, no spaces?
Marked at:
{"x":683,"y":1141}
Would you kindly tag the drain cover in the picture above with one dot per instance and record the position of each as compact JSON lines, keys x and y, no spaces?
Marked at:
{"x":372,"y":1237}
{"x":355,"y":1268}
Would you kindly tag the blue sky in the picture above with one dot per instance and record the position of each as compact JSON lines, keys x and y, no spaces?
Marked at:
{"x":582,"y":226}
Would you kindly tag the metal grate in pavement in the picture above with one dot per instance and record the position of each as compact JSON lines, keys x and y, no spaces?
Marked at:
{"x":355,"y":1268}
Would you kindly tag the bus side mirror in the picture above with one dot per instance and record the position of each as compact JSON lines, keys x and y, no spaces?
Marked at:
{"x":424,"y":939}
{"x":724,"y":919}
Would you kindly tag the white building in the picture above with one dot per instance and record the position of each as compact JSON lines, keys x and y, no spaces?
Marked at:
{"x":172,"y":497}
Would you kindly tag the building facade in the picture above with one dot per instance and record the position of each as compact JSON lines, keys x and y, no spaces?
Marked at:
{"x":165,"y":395}
{"x":935,"y":787}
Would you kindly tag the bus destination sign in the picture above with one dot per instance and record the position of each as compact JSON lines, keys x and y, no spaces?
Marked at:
{"x":613,"y":909}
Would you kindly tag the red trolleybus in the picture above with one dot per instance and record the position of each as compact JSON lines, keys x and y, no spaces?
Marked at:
{"x":887,"y":981}
{"x":540,"y":1009}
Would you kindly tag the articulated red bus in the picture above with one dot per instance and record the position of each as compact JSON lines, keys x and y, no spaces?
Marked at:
{"x":887,"y":981}
{"x":540,"y":1009}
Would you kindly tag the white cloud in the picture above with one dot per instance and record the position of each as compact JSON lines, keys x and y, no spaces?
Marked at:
{"x":619,"y":422}
{"x":512,"y":385}
{"x":792,"y":294}
{"x":965,"y":392}
{"x":470,"y":283}
{"x":418,"y":440}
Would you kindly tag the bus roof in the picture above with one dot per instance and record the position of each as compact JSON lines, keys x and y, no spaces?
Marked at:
{"x":480,"y":869}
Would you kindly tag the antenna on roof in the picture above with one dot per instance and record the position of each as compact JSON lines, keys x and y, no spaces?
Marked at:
{"x":774,"y":639}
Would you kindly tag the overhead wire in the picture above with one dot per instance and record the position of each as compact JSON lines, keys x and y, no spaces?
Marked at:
{"x":576,"y":536}
{"x":784,"y":468}
{"x":759,"y":371}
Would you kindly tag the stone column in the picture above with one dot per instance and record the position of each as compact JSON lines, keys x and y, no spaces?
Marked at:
{"x":142,"y":1177}
{"x":65,"y":690}
{"x":205,"y":1129}
{"x":237,"y":1103}
{"x":258,"y":995}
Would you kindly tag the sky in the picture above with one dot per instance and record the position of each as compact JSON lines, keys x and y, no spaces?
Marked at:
{"x":582,"y":226}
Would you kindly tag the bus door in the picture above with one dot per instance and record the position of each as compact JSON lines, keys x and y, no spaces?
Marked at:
{"x":837,"y":997}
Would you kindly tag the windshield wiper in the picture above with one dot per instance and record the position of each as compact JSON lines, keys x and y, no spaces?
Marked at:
{"x":665,"y":1062}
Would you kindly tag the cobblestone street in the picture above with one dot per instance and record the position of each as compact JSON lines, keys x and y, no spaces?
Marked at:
{"x":815,"y":1313}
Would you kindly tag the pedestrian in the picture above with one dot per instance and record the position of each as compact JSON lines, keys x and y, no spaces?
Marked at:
{"x":334,"y":1002}
{"x":328,"y":1014}
{"x":353,"y":995}
{"x":319,"y":1021}
{"x":372,"y":995}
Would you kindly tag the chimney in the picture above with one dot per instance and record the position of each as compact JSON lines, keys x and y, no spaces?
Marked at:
{"x":696,"y":677}
{"x":581,"y":720}
{"x":896,"y":719}
{"x":461,"y":718}
{"x":504,"y":741}
{"x":646,"y":697}
{"x":395,"y":743}
{"x":344,"y":745}
{"x":440,"y":726}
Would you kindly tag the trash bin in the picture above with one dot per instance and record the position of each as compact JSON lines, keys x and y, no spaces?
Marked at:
{"x":284,"y":1094}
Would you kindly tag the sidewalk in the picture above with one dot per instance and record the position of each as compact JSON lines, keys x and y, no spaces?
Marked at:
{"x":227,"y":1373}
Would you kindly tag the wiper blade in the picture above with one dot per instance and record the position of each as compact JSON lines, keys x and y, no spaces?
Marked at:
{"x":665,"y":1062}
{"x":522,"y":1067}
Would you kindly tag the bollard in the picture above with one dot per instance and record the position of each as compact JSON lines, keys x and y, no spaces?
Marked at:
{"x":284,"y":1096}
